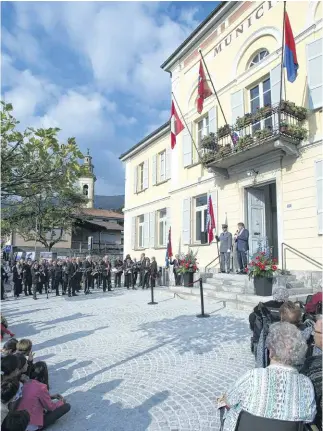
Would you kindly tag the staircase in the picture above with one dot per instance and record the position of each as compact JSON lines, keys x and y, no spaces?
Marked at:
{"x":237,"y":291}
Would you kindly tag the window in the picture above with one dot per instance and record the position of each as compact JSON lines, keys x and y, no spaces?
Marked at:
{"x":260,"y":96}
{"x":85,"y":190}
{"x":162,"y":166}
{"x":141,"y":220}
{"x":141,"y":177}
{"x":258,"y":57}
{"x":200,"y":216}
{"x":162,"y":220}
{"x":202,"y":129}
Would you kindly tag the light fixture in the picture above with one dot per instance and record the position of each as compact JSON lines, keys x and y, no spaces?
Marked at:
{"x":253,"y":172}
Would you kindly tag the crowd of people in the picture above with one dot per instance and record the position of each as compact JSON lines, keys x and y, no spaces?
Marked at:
{"x":286,"y":383}
{"x":26,"y":403}
{"x":72,"y":275}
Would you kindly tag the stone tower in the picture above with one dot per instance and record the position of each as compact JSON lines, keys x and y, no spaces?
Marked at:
{"x":87,"y":180}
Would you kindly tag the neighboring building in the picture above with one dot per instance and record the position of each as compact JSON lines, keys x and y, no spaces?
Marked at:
{"x":270,"y":179}
{"x":103,"y":225}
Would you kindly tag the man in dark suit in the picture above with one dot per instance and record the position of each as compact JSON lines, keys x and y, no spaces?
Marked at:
{"x":242,"y":240}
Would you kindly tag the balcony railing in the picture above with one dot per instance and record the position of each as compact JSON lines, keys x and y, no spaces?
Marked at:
{"x":271,"y":128}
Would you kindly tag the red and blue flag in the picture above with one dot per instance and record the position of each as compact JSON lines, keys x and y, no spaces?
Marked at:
{"x":290,"y":57}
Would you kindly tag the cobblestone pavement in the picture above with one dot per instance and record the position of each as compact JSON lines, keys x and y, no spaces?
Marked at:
{"x":128,"y":366}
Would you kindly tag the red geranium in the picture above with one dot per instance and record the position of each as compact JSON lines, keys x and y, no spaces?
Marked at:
{"x":274,"y":267}
{"x":257,"y":257}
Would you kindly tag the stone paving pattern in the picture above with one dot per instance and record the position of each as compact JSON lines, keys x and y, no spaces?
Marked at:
{"x":127,"y":366}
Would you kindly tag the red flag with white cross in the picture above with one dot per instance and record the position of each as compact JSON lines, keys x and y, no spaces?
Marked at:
{"x":176,"y":126}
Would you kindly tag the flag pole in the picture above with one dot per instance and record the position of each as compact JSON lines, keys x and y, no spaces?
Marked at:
{"x":216,"y":94}
{"x":282,"y":70}
{"x":190,"y":133}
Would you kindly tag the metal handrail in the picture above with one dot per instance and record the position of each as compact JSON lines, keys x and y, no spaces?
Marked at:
{"x":209,"y":264}
{"x":299,"y":253}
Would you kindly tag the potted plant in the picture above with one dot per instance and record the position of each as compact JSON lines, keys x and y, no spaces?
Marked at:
{"x":262,"y":268}
{"x":284,"y":127}
{"x":262,"y":133}
{"x":300,"y":112}
{"x":297,"y":132}
{"x":225,"y":150}
{"x":208,"y":157}
{"x":187,"y":267}
{"x":208,"y":142}
{"x":223,"y":131}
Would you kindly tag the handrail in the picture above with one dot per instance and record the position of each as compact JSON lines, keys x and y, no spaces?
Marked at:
{"x":299,"y":253}
{"x":211,"y":262}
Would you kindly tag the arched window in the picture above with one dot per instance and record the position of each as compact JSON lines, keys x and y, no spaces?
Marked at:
{"x":85,"y":190}
{"x":258,"y":57}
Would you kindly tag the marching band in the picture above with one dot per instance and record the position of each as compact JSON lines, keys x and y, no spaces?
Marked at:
{"x":69,"y":274}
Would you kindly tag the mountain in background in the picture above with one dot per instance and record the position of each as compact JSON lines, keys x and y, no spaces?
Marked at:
{"x":109,"y":202}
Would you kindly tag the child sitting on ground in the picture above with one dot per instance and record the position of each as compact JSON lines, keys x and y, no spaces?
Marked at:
{"x":9,"y":347}
{"x":4,"y":328}
{"x":9,"y":389}
{"x":24,"y":347}
{"x":16,"y":421}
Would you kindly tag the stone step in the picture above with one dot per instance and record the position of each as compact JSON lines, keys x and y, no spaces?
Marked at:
{"x":237,"y":301}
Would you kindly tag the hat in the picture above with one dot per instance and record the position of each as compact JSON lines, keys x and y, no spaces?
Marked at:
{"x":225,"y":225}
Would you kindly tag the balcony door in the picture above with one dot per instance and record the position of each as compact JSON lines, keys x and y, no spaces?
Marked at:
{"x":256,"y":217}
{"x":260,"y":97}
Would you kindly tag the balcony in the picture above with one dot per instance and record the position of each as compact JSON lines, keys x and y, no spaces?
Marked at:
{"x":271,"y":129}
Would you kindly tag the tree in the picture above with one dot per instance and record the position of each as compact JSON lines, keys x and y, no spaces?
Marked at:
{"x":46,"y":218}
{"x":38,"y":182}
{"x":34,"y":159}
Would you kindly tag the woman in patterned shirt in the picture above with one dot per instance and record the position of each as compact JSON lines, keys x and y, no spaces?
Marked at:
{"x":278,"y":391}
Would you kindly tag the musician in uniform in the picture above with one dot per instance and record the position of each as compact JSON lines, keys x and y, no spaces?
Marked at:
{"x":26,"y":277}
{"x":142,"y":268}
{"x":153,"y":272}
{"x":225,"y":240}
{"x":88,"y":266}
{"x":35,"y":278}
{"x":118,"y":265}
{"x":17,"y":279}
{"x":106,"y":274}
{"x":127,"y":268}
{"x":135,"y":270}
{"x":145,"y":266}
{"x":56,"y":274}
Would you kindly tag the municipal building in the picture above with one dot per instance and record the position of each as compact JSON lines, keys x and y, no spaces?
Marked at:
{"x":272,"y":178}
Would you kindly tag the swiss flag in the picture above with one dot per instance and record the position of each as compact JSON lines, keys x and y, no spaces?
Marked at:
{"x":176,"y":126}
{"x":210,"y":220}
{"x":203,"y":89}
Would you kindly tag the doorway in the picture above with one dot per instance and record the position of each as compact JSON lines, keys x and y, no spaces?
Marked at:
{"x":261,"y":214}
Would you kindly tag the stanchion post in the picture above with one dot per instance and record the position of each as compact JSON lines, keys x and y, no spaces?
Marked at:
{"x":202,"y":301}
{"x":152,"y":302}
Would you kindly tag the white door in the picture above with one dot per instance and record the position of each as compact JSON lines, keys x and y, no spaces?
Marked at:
{"x":256,"y":218}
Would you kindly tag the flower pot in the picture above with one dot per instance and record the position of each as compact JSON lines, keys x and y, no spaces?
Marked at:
{"x":188,"y":279}
{"x":283,"y":129}
{"x":263,"y":286}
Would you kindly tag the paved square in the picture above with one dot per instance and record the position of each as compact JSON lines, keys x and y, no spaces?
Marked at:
{"x":128,"y":366}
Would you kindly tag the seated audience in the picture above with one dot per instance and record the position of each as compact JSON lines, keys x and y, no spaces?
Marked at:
{"x":24,"y":346}
{"x":280,"y":295}
{"x":313,"y":370}
{"x":4,"y":328}
{"x":38,"y":402}
{"x":9,"y":388}
{"x":16,"y":421}
{"x":291,"y":313}
{"x":9,"y":347}
{"x":278,"y":391}
{"x":9,"y":367}
{"x":310,"y":307}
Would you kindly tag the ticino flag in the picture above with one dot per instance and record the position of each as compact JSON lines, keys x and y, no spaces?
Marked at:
{"x":203,"y":89}
{"x":176,"y":126}
{"x":210,"y":220}
{"x":290,"y":57}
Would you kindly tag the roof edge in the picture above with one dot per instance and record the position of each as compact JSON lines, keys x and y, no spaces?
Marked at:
{"x":147,"y":138}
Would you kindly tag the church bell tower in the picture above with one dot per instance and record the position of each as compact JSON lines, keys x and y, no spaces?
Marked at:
{"x":87,"y":180}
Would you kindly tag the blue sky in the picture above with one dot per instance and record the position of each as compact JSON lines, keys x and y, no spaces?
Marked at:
{"x":93,"y":70}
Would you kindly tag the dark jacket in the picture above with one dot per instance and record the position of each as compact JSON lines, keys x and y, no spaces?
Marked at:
{"x":153,"y":269}
{"x":35,"y":276}
{"x":243,"y":241}
{"x":312,"y":368}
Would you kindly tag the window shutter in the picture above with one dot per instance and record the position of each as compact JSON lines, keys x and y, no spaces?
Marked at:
{"x":133,"y":233}
{"x":154,"y":170}
{"x":275,"y":84}
{"x":186,"y":228}
{"x":135,"y":179}
{"x":237,"y":105}
{"x":214,"y":197}
{"x":152,"y":227}
{"x":319,"y":192}
{"x":146,"y":230}
{"x":212,"y":120}
{"x":168,"y":163}
{"x":314,"y":73}
{"x":187,"y":147}
{"x":145,"y":175}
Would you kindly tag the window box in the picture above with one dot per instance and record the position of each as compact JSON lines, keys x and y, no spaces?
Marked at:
{"x":244,"y":121}
{"x":292,"y":109}
{"x":224,"y":131}
{"x":262,"y":134}
{"x":209,"y":142}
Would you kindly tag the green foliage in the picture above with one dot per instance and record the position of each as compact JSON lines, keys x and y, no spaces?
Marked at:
{"x":34,"y":159}
{"x":262,"y":266}
{"x":38,"y":181}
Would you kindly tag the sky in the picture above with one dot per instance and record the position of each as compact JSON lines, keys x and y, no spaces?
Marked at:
{"x":93,"y":70}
